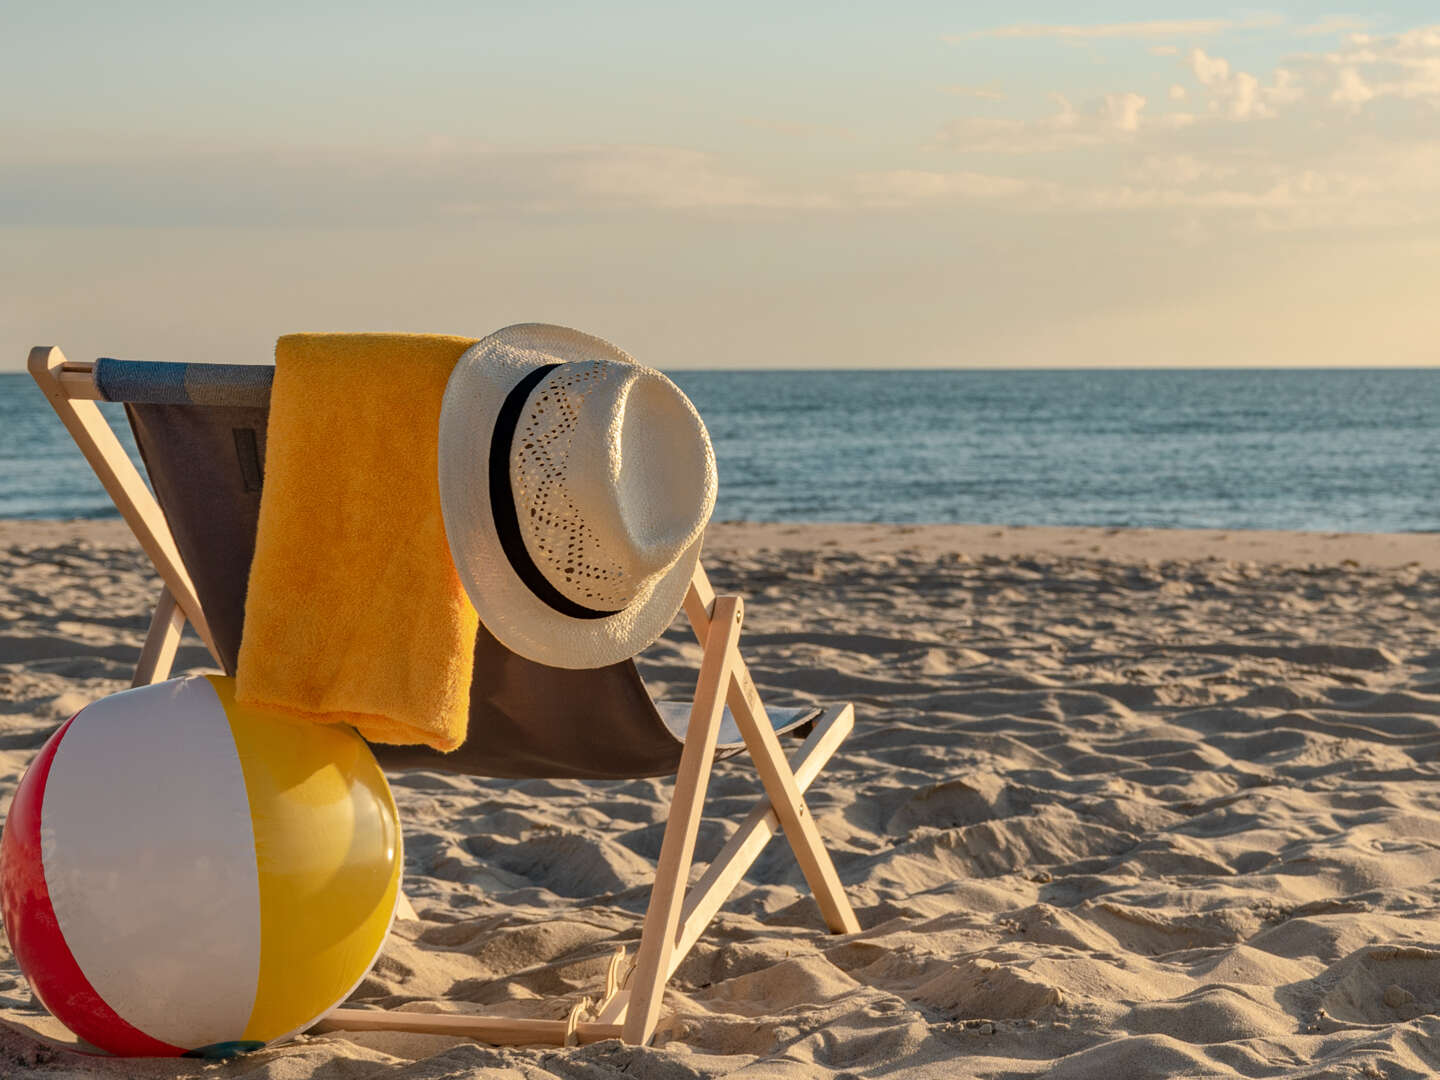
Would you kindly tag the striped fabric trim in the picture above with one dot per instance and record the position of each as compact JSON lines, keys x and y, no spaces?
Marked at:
{"x":152,"y":382}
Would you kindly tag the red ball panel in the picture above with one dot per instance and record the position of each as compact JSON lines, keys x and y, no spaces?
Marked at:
{"x":35,"y":936}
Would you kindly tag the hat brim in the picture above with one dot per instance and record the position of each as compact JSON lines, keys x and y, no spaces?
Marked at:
{"x":481,"y":381}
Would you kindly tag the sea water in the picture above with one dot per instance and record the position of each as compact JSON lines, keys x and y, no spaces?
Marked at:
{"x":1347,"y":450}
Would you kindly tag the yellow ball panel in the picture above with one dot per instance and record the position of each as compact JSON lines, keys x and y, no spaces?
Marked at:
{"x":328,"y":848}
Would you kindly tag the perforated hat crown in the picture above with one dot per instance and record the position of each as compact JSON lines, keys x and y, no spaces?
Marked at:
{"x":575,"y":485}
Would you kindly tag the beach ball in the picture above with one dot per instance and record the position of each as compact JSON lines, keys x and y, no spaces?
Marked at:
{"x":182,"y":874}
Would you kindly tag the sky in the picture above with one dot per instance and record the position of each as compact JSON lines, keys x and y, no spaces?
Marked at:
{"x":874,"y":185}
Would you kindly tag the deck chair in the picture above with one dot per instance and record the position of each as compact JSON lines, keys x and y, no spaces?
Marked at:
{"x":200,"y":429}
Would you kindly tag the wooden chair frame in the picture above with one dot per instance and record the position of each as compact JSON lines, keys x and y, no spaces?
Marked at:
{"x":676,"y":916}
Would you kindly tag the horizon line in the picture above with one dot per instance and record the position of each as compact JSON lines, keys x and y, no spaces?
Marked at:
{"x":1045,"y":368}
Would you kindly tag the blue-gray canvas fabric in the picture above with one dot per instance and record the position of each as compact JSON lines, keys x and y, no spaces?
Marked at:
{"x":142,"y":382}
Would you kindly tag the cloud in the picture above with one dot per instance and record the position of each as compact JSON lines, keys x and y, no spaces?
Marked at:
{"x":153,"y":183}
{"x":1284,"y":201}
{"x":1111,"y":118}
{"x":1251,"y":150}
{"x":1333,"y":24}
{"x":984,"y":93}
{"x":900,"y":188}
{"x":1403,"y":66}
{"x":1210,"y":70}
{"x":1239,"y":94}
{"x":439,"y":180}
{"x":1284,"y":89}
{"x":1350,"y":89}
{"x":1122,"y":111}
{"x":1319,"y":159}
{"x":1171,"y":121}
{"x":1180,"y":170}
{"x":797,"y":131}
{"x":1142,"y":29}
{"x":657,"y":178}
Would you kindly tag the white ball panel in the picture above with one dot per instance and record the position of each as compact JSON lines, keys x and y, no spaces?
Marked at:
{"x":149,"y":856}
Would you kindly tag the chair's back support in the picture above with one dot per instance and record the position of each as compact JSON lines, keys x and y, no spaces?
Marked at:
{"x":203,"y":444}
{"x":205,"y":464}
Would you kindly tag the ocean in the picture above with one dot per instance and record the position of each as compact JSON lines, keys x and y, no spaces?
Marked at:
{"x":1326,"y":450}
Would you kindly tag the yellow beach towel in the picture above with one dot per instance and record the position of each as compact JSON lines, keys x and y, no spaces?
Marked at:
{"x":355,"y":613}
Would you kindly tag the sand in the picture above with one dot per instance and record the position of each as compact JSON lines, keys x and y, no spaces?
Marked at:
{"x":1118,"y":805}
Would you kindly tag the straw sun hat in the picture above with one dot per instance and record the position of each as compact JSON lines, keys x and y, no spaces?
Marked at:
{"x":575,"y":485}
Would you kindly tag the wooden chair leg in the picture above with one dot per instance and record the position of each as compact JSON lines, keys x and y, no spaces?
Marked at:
{"x":705,"y":898}
{"x":496,"y":1030}
{"x":662,"y":918}
{"x":747,"y":842}
{"x":702,"y":607}
{"x":161,"y":641}
{"x":121,"y":482}
{"x":779,"y":781}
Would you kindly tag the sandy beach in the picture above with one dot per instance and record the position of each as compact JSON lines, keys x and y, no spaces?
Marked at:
{"x":1118,"y":804}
